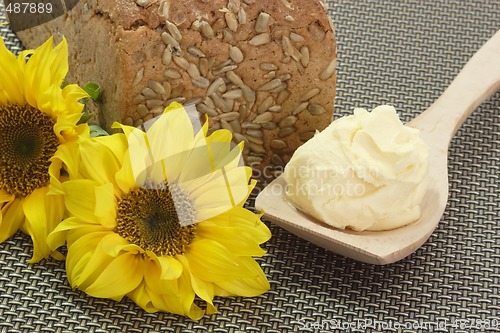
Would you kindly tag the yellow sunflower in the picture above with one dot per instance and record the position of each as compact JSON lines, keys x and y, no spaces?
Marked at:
{"x":37,"y":118}
{"x":158,"y":217}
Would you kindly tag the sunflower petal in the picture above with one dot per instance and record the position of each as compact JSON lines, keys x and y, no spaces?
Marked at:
{"x":38,"y":76}
{"x":187,"y":292}
{"x":171,"y":268}
{"x":172,"y":133}
{"x":11,"y":219}
{"x":70,"y":98}
{"x":58,"y":236}
{"x":125,"y":178}
{"x":73,"y":92}
{"x":139,"y":152}
{"x":121,"y":276}
{"x":114,"y":244}
{"x":141,"y":297}
{"x":5,"y":197}
{"x":238,"y":218}
{"x":105,"y":205}
{"x":179,"y":166}
{"x":222,"y":154}
{"x":67,"y":157}
{"x":98,"y":159}
{"x":205,"y":291}
{"x":200,"y":139}
{"x":160,"y":289}
{"x":60,"y":65}
{"x":248,"y":287}
{"x":233,"y":158}
{"x":239,"y":239}
{"x":157,"y":173}
{"x":43,"y":212}
{"x":100,"y":256}
{"x":10,"y":89}
{"x":218,"y":192}
{"x":44,"y":73}
{"x":79,"y":252}
{"x":211,"y":261}
{"x":79,"y":198}
{"x":222,"y":135}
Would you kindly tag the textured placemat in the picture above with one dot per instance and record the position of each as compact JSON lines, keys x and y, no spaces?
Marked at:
{"x":403,"y":53}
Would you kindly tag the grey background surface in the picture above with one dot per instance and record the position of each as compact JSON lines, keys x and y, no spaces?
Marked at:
{"x":402,"y":53}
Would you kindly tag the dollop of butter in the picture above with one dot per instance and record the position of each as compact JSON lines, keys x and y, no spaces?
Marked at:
{"x":366,"y":171}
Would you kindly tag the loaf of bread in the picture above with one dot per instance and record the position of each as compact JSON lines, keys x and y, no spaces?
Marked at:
{"x":263,"y":69}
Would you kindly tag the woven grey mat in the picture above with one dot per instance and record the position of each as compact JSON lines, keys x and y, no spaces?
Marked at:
{"x":400,"y":52}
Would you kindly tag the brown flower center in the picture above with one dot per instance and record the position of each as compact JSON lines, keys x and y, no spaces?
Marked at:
{"x":27,"y":142}
{"x":149,"y":218}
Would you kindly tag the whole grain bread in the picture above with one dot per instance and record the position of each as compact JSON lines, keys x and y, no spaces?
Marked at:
{"x":263,"y":69}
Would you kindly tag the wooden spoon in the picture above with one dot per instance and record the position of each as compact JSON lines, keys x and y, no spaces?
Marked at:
{"x":478,"y":80}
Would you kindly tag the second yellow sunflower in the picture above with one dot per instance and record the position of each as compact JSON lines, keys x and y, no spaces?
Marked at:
{"x":159,"y":217}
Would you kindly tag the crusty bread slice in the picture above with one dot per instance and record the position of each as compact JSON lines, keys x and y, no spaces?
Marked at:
{"x":263,"y":69}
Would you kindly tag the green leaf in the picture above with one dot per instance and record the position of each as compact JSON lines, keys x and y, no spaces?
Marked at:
{"x":84,"y":118}
{"x":96,"y":130}
{"x":93,"y":89}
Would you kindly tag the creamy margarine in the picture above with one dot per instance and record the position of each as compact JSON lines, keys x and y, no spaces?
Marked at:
{"x":364,"y":172}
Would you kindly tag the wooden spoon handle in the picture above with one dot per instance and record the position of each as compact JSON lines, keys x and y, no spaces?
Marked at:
{"x":478,"y":80}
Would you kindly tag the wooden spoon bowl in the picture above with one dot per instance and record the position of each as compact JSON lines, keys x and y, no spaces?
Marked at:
{"x":478,"y":80}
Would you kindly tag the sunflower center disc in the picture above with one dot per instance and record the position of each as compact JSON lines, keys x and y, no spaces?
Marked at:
{"x":27,"y":142}
{"x":149,"y":218}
